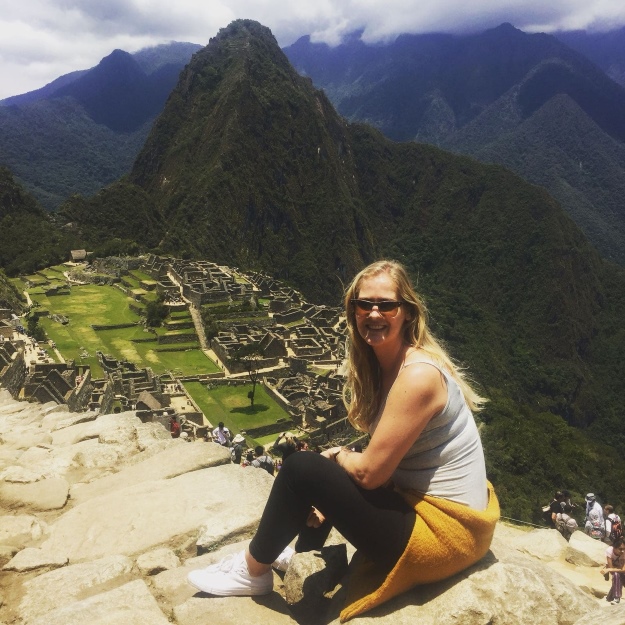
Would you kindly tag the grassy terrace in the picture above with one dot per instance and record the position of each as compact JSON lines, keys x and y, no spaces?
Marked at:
{"x":231,"y":405}
{"x":107,"y":305}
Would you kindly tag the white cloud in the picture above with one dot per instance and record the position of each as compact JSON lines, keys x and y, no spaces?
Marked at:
{"x":43,"y":39}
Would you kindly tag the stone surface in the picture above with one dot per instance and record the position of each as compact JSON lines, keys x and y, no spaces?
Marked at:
{"x":61,"y":420}
{"x":163,"y":513}
{"x":156,"y":561}
{"x":106,"y":428}
{"x":200,"y":610}
{"x":31,"y":558}
{"x":19,"y":530}
{"x":310,"y":581}
{"x":587,"y":579}
{"x":131,"y":604}
{"x":172,"y":585}
{"x":19,"y":475}
{"x":514,"y":592}
{"x":585,"y":551}
{"x":137,"y":492}
{"x":64,"y":586}
{"x":48,"y":494}
{"x":544,"y":544}
{"x":612,"y":614}
{"x":175,"y":460}
{"x":6,"y":554}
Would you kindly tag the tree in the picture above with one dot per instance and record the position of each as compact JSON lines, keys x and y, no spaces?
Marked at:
{"x":156,"y":312}
{"x":250,"y":355}
{"x":35,"y":330}
{"x":211,"y":327}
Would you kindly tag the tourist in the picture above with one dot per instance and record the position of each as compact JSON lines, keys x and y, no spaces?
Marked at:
{"x":221,"y":435}
{"x":174,"y":427}
{"x":613,"y":527}
{"x":237,"y":448}
{"x":556,"y":507}
{"x":285,"y":445}
{"x":594,"y":525}
{"x":615,"y":556}
{"x":416,"y":503}
{"x":262,"y":460}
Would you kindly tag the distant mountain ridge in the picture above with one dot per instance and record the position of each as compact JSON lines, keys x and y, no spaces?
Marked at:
{"x":606,"y":50}
{"x":477,"y":95}
{"x":83,"y":130}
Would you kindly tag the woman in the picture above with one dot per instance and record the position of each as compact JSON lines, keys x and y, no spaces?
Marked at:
{"x":615,"y":557}
{"x":415,"y":503}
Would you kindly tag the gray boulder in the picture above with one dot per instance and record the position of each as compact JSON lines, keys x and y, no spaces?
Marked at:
{"x":31,"y":558}
{"x":20,"y":530}
{"x":154,"y":562}
{"x":158,"y":513}
{"x":61,"y":587}
{"x":131,"y":604}
{"x":176,"y":459}
{"x":49,"y":494}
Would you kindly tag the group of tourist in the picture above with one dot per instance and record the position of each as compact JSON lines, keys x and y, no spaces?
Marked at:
{"x":601,"y":523}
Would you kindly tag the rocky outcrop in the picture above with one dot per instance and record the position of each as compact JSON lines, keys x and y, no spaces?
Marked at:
{"x":103,"y":517}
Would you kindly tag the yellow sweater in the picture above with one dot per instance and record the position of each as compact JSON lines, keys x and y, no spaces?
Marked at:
{"x":447,"y":537}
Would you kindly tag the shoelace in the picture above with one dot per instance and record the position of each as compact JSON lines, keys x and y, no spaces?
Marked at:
{"x":226,"y":564}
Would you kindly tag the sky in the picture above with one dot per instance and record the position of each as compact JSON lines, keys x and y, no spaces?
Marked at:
{"x":41,"y":40}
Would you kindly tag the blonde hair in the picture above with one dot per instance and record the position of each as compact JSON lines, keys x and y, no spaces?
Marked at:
{"x":361,"y":392}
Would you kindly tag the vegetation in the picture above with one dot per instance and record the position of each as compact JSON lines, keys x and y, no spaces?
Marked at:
{"x":29,"y":238}
{"x":34,"y":329}
{"x":106,"y":305}
{"x":10,"y":296}
{"x":250,"y":355}
{"x":231,"y":405}
{"x":156,"y":312}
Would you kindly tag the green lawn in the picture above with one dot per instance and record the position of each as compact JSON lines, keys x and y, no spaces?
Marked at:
{"x":231,"y":405}
{"x":107,"y":305}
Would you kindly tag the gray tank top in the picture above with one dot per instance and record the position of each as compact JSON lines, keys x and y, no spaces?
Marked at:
{"x":447,"y":460}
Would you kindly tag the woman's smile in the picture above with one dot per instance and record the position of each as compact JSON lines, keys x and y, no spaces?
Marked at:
{"x":373,"y":326}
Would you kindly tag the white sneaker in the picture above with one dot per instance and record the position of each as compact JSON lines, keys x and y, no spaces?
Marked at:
{"x":281,"y":563}
{"x":230,"y":577}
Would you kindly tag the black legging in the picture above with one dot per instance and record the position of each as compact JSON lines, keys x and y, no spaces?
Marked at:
{"x":377,"y":522}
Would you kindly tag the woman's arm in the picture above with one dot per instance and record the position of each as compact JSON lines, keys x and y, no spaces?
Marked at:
{"x":419,"y":393}
{"x":611,"y":567}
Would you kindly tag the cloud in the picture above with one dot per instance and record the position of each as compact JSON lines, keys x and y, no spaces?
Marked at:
{"x":43,"y":39}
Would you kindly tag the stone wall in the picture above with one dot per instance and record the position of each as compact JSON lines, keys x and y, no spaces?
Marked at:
{"x":12,"y":375}
{"x":80,"y":396}
{"x":166,"y":339}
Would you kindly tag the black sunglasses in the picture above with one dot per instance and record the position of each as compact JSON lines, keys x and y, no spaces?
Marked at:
{"x":365,"y":306}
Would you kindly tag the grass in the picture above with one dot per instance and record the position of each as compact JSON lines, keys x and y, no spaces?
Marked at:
{"x":107,"y":305}
{"x":231,"y":405}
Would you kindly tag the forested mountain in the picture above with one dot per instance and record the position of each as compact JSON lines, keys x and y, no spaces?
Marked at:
{"x":525,"y":101}
{"x":29,"y":237}
{"x":607,"y":50}
{"x":249,"y":164}
{"x":84,"y":130}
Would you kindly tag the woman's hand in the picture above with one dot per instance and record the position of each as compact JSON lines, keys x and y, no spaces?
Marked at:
{"x":331,"y":453}
{"x":315,"y":518}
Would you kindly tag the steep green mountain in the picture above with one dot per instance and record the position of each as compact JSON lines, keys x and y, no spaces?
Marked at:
{"x":249,"y":164}
{"x":29,"y":239}
{"x":10,"y":297}
{"x":84,"y":130}
{"x":496,"y":96}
